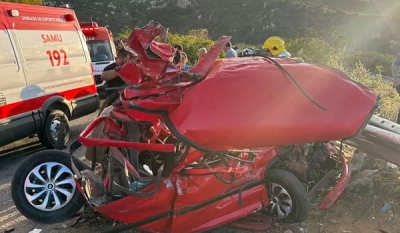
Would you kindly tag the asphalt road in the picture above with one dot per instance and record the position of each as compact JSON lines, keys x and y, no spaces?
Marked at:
{"x":11,"y":156}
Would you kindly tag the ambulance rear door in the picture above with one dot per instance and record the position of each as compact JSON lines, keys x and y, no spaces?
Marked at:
{"x":54,"y":52}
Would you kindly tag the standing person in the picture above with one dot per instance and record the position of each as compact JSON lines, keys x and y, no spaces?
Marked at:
{"x":396,"y":79}
{"x":275,"y":47}
{"x":185,"y":61}
{"x":110,"y":73}
{"x":202,"y":54}
{"x":395,"y":73}
{"x":184,"y":58}
{"x":229,"y":51}
{"x":179,"y":47}
{"x":237,"y":49}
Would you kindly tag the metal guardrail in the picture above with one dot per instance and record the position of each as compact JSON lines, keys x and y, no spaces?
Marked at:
{"x":380,"y":138}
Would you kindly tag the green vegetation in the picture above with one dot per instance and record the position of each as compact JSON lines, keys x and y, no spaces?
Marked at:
{"x":373,"y":61}
{"x":371,"y":24}
{"x":390,"y":100}
{"x":367,"y":68}
{"x":33,"y":2}
{"x":191,"y":42}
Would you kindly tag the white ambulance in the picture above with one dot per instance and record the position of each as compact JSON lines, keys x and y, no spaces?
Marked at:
{"x":45,"y":72}
{"x":102,"y":50}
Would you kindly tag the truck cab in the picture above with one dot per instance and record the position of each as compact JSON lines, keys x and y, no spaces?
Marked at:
{"x":102,"y":50}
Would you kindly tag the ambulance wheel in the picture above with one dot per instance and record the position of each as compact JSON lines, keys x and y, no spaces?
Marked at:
{"x":43,"y":187}
{"x":48,"y":135}
{"x":288,"y":199}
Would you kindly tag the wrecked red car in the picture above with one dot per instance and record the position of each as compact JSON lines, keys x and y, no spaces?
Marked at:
{"x":188,"y":151}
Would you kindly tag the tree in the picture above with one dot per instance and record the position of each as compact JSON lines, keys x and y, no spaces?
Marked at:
{"x":373,"y":61}
{"x":32,"y":2}
{"x":124,"y":33}
{"x":311,"y":49}
{"x":191,"y":43}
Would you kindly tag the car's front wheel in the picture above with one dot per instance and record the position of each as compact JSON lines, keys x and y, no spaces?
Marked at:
{"x":43,"y":188}
{"x":288,"y":199}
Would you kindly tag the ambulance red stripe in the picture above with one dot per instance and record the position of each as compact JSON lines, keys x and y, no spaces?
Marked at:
{"x":36,"y":103}
{"x":31,"y":17}
{"x":100,"y":35}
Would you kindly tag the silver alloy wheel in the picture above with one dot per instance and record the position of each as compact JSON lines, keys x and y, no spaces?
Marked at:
{"x":280,"y":203}
{"x":54,"y":128}
{"x":49,"y":186}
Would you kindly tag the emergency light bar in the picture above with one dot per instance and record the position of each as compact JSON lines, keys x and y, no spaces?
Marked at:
{"x":69,"y":17}
{"x":13,"y":13}
{"x":89,"y":28}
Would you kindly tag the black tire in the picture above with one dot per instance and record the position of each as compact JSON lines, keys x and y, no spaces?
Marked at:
{"x":18,"y":189}
{"x":294,"y":188}
{"x":45,"y":136}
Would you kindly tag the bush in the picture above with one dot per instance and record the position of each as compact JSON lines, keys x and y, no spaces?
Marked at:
{"x":124,"y":33}
{"x":373,"y":61}
{"x":317,"y":46}
{"x":33,"y":2}
{"x":191,"y":43}
{"x":389,"y":98}
{"x":389,"y":103}
{"x":364,"y":67}
{"x":312,"y":50}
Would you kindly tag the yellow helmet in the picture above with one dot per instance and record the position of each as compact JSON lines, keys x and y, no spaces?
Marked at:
{"x":274,"y":44}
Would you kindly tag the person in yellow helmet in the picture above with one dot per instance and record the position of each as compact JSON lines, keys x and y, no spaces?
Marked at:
{"x":275,"y":47}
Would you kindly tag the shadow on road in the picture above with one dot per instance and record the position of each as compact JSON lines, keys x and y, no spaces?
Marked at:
{"x":19,"y":151}
{"x":26,"y":147}
{"x":10,"y":158}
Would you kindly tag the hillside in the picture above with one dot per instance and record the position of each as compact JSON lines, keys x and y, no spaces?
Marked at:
{"x":252,"y":21}
{"x":374,"y":7}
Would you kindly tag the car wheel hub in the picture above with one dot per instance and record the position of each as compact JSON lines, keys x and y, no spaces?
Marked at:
{"x":49,"y":186}
{"x":280,"y":205}
{"x":54,"y":128}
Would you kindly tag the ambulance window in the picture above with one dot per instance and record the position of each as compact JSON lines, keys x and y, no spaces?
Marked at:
{"x":100,"y":50}
{"x":51,"y":49}
{"x":8,"y":61}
